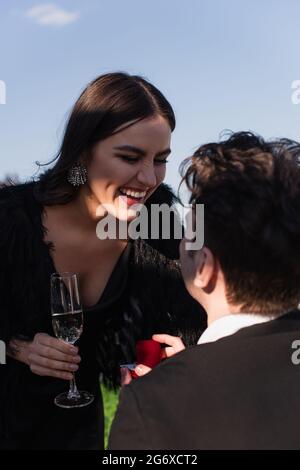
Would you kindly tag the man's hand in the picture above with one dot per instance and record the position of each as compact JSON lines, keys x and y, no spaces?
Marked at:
{"x":174,"y":346}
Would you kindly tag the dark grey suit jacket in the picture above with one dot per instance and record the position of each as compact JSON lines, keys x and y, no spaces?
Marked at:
{"x":241,"y":392}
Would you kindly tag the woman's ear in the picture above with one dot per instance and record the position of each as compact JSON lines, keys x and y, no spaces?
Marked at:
{"x":204,"y":267}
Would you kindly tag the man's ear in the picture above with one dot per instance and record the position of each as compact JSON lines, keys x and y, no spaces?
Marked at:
{"x":204,"y":267}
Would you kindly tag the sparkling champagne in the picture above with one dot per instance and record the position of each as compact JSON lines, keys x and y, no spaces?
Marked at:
{"x":68,"y":326}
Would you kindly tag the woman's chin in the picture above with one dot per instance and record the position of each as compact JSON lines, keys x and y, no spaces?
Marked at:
{"x":127,"y":215}
{"x":119,"y":210}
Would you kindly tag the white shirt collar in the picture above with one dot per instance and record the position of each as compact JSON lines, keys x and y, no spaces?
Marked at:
{"x":230,"y":324}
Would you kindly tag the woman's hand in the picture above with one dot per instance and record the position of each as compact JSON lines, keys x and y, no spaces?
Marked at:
{"x":47,"y":356}
{"x":174,"y":346}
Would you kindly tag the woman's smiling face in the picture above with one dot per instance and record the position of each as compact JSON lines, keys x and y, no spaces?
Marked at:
{"x":128,"y":166}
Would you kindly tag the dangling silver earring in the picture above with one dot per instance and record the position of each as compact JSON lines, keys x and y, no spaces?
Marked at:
{"x":77,"y":175}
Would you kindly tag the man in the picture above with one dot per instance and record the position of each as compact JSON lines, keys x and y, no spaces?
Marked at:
{"x":239,"y":388}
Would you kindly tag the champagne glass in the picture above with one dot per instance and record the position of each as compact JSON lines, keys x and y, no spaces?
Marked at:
{"x":67,"y":322}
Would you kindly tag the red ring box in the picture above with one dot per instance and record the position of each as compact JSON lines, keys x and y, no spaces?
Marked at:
{"x":148,"y":353}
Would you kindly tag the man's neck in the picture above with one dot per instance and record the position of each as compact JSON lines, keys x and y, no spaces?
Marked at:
{"x":220,"y":309}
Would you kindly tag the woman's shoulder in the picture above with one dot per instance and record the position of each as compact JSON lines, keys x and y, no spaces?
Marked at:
{"x":15,"y":196}
{"x":152,"y":274}
{"x":148,"y":259}
{"x":18,"y":210}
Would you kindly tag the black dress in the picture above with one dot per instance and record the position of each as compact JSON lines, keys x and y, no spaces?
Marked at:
{"x":144,"y":295}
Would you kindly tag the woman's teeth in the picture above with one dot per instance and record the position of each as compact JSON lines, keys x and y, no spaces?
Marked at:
{"x":135,"y":194}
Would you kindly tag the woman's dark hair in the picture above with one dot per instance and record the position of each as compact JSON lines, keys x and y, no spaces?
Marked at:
{"x":251,"y":192}
{"x":108,"y":102}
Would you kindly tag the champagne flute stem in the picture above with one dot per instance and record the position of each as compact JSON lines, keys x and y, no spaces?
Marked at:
{"x":73,"y":391}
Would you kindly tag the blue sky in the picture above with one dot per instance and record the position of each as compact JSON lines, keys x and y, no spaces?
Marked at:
{"x":222,"y":64}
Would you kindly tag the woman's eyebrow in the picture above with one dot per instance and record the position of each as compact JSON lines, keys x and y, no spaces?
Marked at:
{"x":164,"y":153}
{"x":141,"y":152}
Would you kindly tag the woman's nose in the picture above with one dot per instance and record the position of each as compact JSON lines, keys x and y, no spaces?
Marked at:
{"x":147,"y":176}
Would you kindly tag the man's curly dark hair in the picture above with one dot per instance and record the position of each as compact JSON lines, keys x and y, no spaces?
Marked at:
{"x":250,"y":189}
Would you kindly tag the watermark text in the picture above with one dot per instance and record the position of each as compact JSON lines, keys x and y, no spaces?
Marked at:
{"x":2,"y":92}
{"x":295,"y":97}
{"x":2,"y":352}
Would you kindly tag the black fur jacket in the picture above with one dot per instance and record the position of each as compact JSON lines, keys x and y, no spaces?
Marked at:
{"x":149,"y":295}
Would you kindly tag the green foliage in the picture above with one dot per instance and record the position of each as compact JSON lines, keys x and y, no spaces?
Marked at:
{"x":110,"y":403}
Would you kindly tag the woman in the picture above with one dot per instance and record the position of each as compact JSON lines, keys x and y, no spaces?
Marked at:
{"x":113,"y":154}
